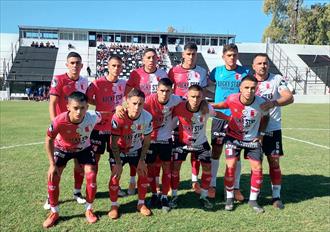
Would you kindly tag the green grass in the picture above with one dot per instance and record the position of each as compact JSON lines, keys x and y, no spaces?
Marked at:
{"x":306,"y":187}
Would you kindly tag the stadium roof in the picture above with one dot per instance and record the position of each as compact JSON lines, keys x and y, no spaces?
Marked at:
{"x":122,"y":31}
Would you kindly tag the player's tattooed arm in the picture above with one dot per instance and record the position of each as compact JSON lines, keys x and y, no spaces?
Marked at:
{"x":220,"y":105}
{"x":118,"y":168}
{"x":222,"y":116}
{"x":53,"y":169}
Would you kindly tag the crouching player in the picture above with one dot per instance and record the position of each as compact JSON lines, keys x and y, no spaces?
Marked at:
{"x":245,"y":131}
{"x":130,"y":140}
{"x":161,"y":105}
{"x":68,"y":137}
{"x":192,"y":139}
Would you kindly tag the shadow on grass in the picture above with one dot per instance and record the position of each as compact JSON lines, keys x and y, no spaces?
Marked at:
{"x":295,"y":188}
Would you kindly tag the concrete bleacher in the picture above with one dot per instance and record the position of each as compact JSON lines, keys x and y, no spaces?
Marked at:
{"x":320,"y":65}
{"x":246,"y":60}
{"x":33,"y":64}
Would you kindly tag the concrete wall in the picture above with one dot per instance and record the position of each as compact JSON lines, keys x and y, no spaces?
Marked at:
{"x":316,"y":99}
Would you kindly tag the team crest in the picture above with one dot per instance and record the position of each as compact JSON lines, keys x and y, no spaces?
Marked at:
{"x":193,"y":119}
{"x":244,"y":112}
{"x":78,"y":130}
{"x":133,"y":127}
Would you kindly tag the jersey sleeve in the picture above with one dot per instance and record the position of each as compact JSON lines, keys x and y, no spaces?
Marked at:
{"x":204,"y":79}
{"x":55,"y":87}
{"x":212,"y":112}
{"x":171,"y":75}
{"x":52,"y":130}
{"x":115,"y":126}
{"x":133,"y":80}
{"x":282,"y":84}
{"x":90,"y":93}
{"x":148,"y":126}
{"x":212,"y":74}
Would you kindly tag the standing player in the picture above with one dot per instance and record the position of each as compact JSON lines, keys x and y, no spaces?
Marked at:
{"x":275,"y":89}
{"x":130,"y":140}
{"x":61,"y":87}
{"x":227,"y":79}
{"x":193,"y":140}
{"x":146,"y":79}
{"x":245,"y":131}
{"x":161,"y":105}
{"x":106,"y":93}
{"x":68,"y":137}
{"x":183,"y":76}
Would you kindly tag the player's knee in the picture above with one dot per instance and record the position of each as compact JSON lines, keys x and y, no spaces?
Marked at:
{"x":274,"y":162}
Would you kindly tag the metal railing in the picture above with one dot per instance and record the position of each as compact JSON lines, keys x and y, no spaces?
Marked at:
{"x":300,"y":77}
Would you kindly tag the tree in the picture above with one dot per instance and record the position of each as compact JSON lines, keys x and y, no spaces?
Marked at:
{"x":314,"y":25}
{"x":171,"y":29}
{"x":292,"y":23}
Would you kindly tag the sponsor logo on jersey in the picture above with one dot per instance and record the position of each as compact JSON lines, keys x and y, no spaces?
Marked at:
{"x":54,"y":82}
{"x":115,"y":124}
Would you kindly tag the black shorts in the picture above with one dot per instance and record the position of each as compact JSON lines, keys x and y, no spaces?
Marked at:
{"x":132,"y":158}
{"x":201,"y":153}
{"x":161,"y":149}
{"x":233,"y":147}
{"x":99,"y":141}
{"x":272,"y":143}
{"x":218,"y":131}
{"x":85,"y":156}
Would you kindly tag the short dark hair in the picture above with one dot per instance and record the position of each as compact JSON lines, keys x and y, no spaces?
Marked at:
{"x":78,"y":96}
{"x":73,"y":54}
{"x":166,"y":82}
{"x":136,"y":93}
{"x":229,"y":47}
{"x":149,"y":50}
{"x":196,"y":88}
{"x":249,"y":78}
{"x":190,"y":46}
{"x":260,"y":54}
{"x":115,"y":57}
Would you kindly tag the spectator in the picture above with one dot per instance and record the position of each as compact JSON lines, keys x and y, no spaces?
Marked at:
{"x":70,"y":46}
{"x":32,"y":45}
{"x":47,"y":44}
{"x":41,"y":44}
{"x":52,"y":45}
{"x":89,"y":71}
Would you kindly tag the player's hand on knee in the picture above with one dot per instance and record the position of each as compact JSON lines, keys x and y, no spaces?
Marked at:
{"x":142,"y":168}
{"x":53,"y":173}
{"x":117,"y":170}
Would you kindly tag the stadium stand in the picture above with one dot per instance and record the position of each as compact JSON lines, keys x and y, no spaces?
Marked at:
{"x":305,"y":66}
{"x":246,"y":60}
{"x":131,"y":55}
{"x":319,"y":64}
{"x":177,"y":56}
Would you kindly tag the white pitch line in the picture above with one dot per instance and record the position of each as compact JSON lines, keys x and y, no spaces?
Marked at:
{"x":20,"y":145}
{"x":308,"y":129}
{"x":303,"y":141}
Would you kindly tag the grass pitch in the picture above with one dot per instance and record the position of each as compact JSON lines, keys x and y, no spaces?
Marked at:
{"x":305,"y":191}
